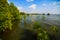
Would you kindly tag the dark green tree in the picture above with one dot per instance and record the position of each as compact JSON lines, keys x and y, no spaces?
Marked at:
{"x":5,"y":15}
{"x":48,"y":13}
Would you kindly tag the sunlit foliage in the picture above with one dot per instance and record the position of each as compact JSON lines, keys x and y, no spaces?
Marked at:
{"x":14,"y":11}
{"x":42,"y":33}
{"x":7,"y":13}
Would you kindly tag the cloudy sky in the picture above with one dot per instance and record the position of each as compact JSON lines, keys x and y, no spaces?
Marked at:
{"x":38,"y":6}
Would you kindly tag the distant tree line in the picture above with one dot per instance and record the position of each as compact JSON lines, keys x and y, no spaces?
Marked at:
{"x":22,"y":13}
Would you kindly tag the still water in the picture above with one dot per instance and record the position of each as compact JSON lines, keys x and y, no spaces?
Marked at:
{"x":22,"y":29}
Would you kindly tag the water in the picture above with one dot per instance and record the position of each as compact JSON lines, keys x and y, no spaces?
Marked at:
{"x":53,"y":19}
{"x":22,"y":29}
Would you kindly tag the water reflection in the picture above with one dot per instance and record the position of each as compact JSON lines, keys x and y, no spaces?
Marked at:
{"x":43,"y":17}
{"x":28,"y":35}
{"x":14,"y":34}
{"x":24,"y":21}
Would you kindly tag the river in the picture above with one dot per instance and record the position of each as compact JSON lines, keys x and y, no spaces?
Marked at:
{"x":22,"y":29}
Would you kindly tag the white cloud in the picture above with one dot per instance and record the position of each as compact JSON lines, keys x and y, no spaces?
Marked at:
{"x":19,"y":8}
{"x":52,"y":8}
{"x":56,"y":3}
{"x":44,"y":4}
{"x":8,"y":1}
{"x":29,"y":0}
{"x":33,"y":6}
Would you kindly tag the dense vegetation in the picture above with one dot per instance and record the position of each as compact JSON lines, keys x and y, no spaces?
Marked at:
{"x":8,"y":13}
{"x":44,"y":34}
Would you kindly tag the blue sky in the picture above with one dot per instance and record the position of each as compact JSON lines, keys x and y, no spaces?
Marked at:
{"x":37,"y":6}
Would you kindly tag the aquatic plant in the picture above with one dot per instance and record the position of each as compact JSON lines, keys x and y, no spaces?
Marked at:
{"x":53,"y":30}
{"x":42,"y":33}
{"x":36,"y":25}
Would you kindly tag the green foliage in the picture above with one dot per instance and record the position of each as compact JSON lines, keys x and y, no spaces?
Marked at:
{"x":37,"y":25}
{"x":7,"y":13}
{"x":54,"y":29}
{"x":22,"y":13}
{"x":4,"y":10}
{"x":42,"y":33}
{"x":7,"y":24}
{"x":14,"y":11}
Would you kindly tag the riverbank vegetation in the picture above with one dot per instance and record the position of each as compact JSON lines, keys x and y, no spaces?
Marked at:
{"x":8,"y":13}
